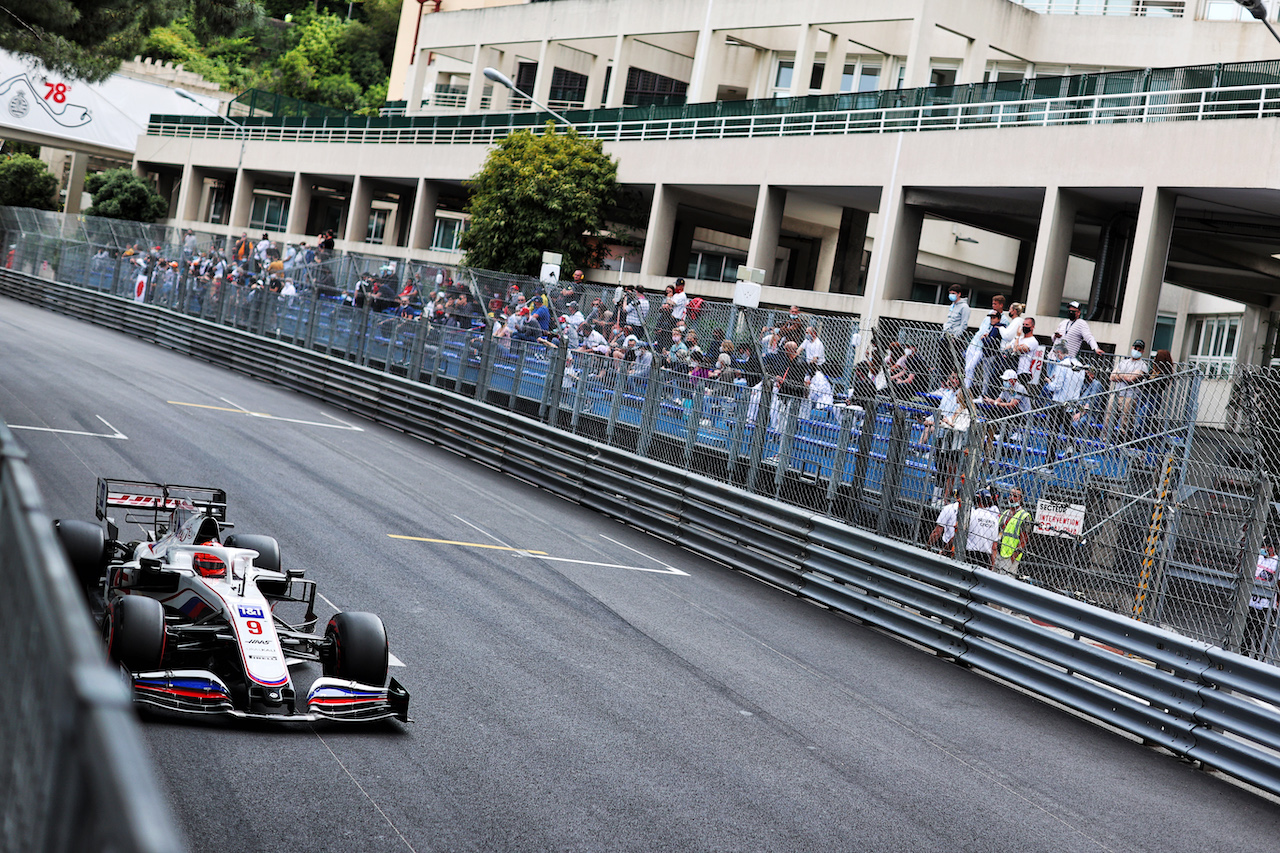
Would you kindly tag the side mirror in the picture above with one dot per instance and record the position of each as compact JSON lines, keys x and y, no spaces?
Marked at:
{"x":295,"y":574}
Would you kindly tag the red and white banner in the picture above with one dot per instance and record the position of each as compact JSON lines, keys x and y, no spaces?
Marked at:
{"x":140,"y":289}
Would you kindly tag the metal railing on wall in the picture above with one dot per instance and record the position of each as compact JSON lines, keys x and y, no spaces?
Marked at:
{"x":1190,"y":93}
{"x":1151,"y":498}
{"x":1192,"y":698}
{"x":74,"y":773}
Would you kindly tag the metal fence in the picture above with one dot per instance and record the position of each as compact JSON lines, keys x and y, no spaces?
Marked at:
{"x":74,"y":773}
{"x":1152,"y":499}
{"x":1202,"y":703}
{"x":1185,"y":93}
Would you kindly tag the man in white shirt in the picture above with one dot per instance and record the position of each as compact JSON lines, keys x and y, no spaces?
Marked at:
{"x":944,"y":531}
{"x":1027,"y":348}
{"x":1074,"y":331}
{"x":984,"y":528}
{"x":812,"y":349}
{"x":1065,"y":388}
{"x":575,"y":317}
{"x":979,"y":350}
{"x":679,"y":302}
{"x":1125,"y":378}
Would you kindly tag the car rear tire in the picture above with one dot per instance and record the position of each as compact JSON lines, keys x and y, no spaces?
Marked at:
{"x":86,"y":548}
{"x":134,"y":631}
{"x":267,"y":547}
{"x":358,"y":650}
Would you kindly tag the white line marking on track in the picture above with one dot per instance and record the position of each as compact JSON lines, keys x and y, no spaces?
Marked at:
{"x":115,"y":433}
{"x":328,"y":602}
{"x":664,"y":571}
{"x":392,"y":660}
{"x":361,"y":789}
{"x":241,"y":410}
{"x":673,"y":569}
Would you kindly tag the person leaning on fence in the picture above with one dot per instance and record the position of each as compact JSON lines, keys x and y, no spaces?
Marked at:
{"x":1074,"y":331}
{"x":815,"y":352}
{"x":1014,"y":529}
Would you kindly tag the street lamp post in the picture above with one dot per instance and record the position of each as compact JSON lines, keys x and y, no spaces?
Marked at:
{"x":1259,"y":11}
{"x":241,"y":131}
{"x":503,"y":80}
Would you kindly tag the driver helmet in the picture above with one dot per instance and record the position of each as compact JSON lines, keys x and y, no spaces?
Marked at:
{"x":209,"y":565}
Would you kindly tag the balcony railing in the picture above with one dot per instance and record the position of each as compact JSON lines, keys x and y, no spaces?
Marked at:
{"x":1234,"y":102}
{"x":1119,"y":8}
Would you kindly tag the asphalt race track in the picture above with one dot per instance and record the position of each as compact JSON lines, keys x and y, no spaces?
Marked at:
{"x":577,"y":685}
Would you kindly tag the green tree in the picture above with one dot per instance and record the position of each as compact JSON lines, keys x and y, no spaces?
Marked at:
{"x":121,"y":194}
{"x":88,"y":39}
{"x":26,"y":182}
{"x":540,"y":193}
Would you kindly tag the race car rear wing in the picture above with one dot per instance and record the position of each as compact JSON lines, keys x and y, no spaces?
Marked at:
{"x":158,"y":500}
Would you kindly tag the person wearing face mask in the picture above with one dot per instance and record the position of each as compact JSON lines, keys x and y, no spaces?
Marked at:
{"x":1074,"y":331}
{"x":1262,"y":606}
{"x":954,"y":327}
{"x":812,"y":348}
{"x":1027,"y":349}
{"x":1014,"y":529}
{"x":1125,"y":380}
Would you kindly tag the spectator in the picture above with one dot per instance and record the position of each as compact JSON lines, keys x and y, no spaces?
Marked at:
{"x":1013,"y":396}
{"x":954,"y":327}
{"x":812,"y":348}
{"x":642,"y":368}
{"x":1014,"y":529}
{"x":1262,"y":606}
{"x":1009,"y":336}
{"x":679,"y":302}
{"x":1155,"y":389}
{"x":1027,"y":350}
{"x":665,"y":321}
{"x":573,"y":315}
{"x":677,"y":353}
{"x":913,"y":373}
{"x":636,"y":308}
{"x":1074,"y":331}
{"x":1065,"y":388}
{"x":984,"y":347}
{"x":948,"y":399}
{"x":984,"y":529}
{"x":944,"y":532}
{"x":821,"y":394}
{"x":747,"y":363}
{"x":1125,"y":380}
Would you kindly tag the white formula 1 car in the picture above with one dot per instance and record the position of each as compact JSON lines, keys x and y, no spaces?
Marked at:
{"x":197,"y":617}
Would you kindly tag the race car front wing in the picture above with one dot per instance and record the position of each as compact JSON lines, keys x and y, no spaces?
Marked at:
{"x":201,"y":692}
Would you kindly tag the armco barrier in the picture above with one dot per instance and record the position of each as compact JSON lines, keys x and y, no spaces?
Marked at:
{"x":74,"y":774}
{"x":1195,"y":700}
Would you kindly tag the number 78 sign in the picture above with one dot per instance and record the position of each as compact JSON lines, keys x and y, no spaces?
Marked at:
{"x":56,"y":92}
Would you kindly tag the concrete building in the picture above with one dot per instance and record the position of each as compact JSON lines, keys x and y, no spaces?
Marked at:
{"x":1013,"y":174}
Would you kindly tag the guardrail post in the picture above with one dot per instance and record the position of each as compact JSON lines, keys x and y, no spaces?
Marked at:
{"x":361,"y":354}
{"x":619,"y":386}
{"x":734,"y":447}
{"x":692,"y":421}
{"x":439,"y":356}
{"x":418,"y":348}
{"x":649,"y":411}
{"x":785,"y":443}
{"x":1250,"y":541}
{"x":894,"y":469}
{"x":551,"y":388}
{"x":837,"y":459}
{"x":224,"y":296}
{"x":520,"y":352}
{"x":763,"y":409}
{"x":313,"y":317}
{"x":463,"y":358}
{"x":579,"y":392}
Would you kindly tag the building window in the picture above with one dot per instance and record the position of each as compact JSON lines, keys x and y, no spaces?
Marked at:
{"x":713,"y":266}
{"x":1226,"y":10}
{"x":869,"y":79}
{"x":270,"y":213}
{"x":645,"y":88}
{"x":1162,"y":337}
{"x":377,"y":226}
{"x":448,"y":234}
{"x":1213,"y":344}
{"x":786,"y":74}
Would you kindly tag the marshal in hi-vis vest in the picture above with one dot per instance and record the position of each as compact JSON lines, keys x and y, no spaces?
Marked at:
{"x":1011,"y":532}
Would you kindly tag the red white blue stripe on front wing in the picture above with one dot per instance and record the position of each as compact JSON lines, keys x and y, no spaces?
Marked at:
{"x":181,"y":687}
{"x":344,"y":694}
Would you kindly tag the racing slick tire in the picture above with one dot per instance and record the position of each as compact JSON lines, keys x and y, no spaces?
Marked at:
{"x":134,"y":631}
{"x":86,"y":548}
{"x":267,"y":547}
{"x":359,"y":649}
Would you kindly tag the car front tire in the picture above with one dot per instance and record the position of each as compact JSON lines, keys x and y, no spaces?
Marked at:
{"x":358,"y":648}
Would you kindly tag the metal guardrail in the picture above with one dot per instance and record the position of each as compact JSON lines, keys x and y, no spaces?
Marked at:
{"x":74,"y":773}
{"x":1192,"y":698}
{"x":1198,"y":104}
